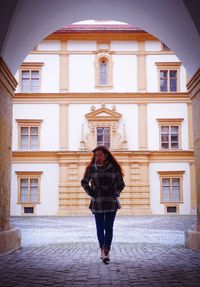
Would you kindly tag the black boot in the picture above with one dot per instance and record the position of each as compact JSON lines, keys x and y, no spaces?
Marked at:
{"x":106,"y":255}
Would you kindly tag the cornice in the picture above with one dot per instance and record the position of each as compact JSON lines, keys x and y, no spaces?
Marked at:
{"x":7,"y":79}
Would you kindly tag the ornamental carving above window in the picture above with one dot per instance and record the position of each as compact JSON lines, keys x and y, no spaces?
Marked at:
{"x":104,"y":127}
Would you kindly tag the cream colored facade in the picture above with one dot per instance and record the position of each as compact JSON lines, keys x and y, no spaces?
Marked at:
{"x":70,"y":105}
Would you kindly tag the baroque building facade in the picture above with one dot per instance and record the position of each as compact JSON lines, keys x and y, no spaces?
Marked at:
{"x":111,"y":84}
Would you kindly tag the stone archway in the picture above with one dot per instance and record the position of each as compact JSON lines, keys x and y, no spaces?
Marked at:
{"x":28,"y":22}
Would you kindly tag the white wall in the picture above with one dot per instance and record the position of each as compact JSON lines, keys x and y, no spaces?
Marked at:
{"x":82,"y":67}
{"x":50,"y":71}
{"x":49,"y":45}
{"x":81,"y":73}
{"x":124,"y":46}
{"x":183,"y":79}
{"x":81,"y":45}
{"x":171,"y":110}
{"x":49,"y":188}
{"x":49,"y":113}
{"x":152,"y":72}
{"x":156,"y":207}
{"x":124,"y":73}
{"x":152,"y":45}
{"x":130,"y":118}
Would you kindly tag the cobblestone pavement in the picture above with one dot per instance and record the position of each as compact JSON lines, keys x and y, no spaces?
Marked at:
{"x":63,"y":251}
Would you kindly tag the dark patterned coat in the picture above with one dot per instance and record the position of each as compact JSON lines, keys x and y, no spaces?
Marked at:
{"x":104,"y":184}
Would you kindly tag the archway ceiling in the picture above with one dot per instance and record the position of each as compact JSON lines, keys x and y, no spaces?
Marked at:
{"x":27,"y":22}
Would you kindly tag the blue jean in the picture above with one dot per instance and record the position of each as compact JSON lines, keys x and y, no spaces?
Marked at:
{"x":104,"y":225}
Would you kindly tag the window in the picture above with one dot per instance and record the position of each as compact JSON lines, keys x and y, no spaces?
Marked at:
{"x":168,"y":76}
{"x":103,"y":74}
{"x":171,"y":186}
{"x":171,"y":209}
{"x":29,"y":134}
{"x":30,"y":81}
{"x":103,"y":126}
{"x":29,"y":187}
{"x":30,"y":77}
{"x":29,"y":209}
{"x":168,"y":80}
{"x":169,"y":137}
{"x":103,"y":136}
{"x":170,"y":189}
{"x":170,"y":133}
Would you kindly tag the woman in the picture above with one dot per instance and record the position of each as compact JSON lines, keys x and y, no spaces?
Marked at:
{"x":103,"y":182}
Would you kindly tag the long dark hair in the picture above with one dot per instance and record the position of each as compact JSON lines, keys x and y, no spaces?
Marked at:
{"x":109,"y":158}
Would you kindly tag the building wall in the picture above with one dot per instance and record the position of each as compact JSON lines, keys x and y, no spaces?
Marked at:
{"x":124,"y":73}
{"x":128,"y":46}
{"x":154,"y":181}
{"x":77,"y":45}
{"x":168,"y":110}
{"x":62,"y":194}
{"x":81,"y":73}
{"x":152,"y":73}
{"x":49,"y":188}
{"x":129,"y":118}
{"x":81,"y":66}
{"x":49,"y":45}
{"x":50,"y":72}
{"x":49,"y":113}
{"x":153,"y":45}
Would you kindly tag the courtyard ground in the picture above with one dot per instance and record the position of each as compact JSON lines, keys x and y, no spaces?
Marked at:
{"x":63,"y":251}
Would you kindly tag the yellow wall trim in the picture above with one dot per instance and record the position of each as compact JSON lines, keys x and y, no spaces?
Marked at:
{"x":170,"y":121}
{"x":142,"y":126}
{"x":67,"y":98}
{"x":64,"y":73}
{"x":63,"y":126}
{"x":62,"y":156}
{"x":102,"y":36}
{"x":141,"y":68}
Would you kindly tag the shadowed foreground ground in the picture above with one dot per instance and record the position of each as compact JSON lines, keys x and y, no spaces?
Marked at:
{"x":63,"y":251}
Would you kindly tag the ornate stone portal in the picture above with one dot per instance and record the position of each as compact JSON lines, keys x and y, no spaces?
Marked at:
{"x":104,"y":117}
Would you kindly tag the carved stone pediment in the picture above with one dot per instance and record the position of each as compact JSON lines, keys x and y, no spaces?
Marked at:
{"x":103,"y":114}
{"x":103,"y":117}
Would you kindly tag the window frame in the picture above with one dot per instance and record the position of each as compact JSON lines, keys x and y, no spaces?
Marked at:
{"x":170,"y":123}
{"x":28,"y":175}
{"x":100,"y":71}
{"x":169,"y":66}
{"x":103,"y":56}
{"x":25,"y":123}
{"x":170,"y":175}
{"x":30,"y":66}
{"x":109,"y":127}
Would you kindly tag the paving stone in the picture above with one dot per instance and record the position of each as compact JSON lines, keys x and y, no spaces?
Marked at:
{"x":61,"y":252}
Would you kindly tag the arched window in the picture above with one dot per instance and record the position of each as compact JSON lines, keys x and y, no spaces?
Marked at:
{"x":103,"y":70}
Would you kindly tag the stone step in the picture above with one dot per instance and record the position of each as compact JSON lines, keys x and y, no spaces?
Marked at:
{"x":127,"y":195}
{"x":72,"y":211}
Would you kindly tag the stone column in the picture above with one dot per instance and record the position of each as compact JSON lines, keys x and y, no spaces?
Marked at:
{"x":141,"y":67}
{"x":193,"y":236}
{"x":9,"y":238}
{"x":63,"y":68}
{"x":142,"y":127}
{"x":63,"y":126}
